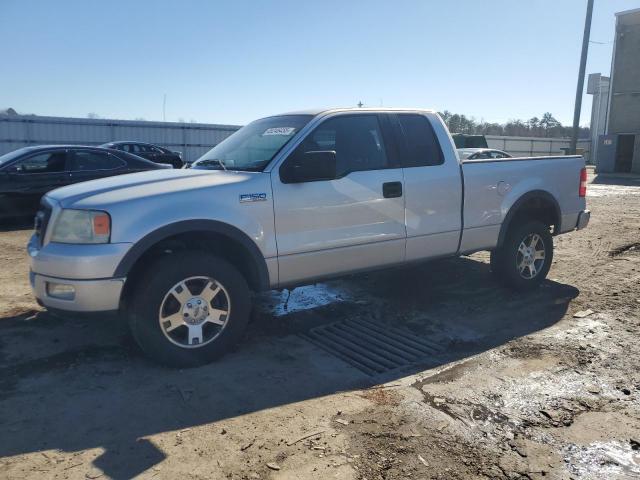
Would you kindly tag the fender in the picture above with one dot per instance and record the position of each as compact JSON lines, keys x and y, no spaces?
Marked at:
{"x":186,"y":226}
{"x":543,"y":194}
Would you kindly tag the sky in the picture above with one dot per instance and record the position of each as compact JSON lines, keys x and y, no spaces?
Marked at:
{"x":233,"y":61}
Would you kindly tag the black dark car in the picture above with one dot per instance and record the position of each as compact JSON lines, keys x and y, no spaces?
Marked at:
{"x":28,"y":173}
{"x":150,"y":152}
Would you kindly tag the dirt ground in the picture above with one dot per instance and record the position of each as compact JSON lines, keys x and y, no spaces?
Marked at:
{"x":516,"y":387}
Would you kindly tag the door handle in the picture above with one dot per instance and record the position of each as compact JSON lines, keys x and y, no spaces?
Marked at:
{"x":392,"y":189}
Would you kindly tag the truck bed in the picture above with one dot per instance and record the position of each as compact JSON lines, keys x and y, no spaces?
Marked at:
{"x":492,"y":186}
{"x":520,"y":159}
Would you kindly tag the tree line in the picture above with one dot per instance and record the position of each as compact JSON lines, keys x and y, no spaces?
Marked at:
{"x":546,"y":126}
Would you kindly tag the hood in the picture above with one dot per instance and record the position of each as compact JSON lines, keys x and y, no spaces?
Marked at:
{"x":126,"y":187}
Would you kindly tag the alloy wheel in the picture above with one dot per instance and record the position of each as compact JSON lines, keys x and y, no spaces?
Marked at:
{"x":194,"y":312}
{"x":531,"y":256}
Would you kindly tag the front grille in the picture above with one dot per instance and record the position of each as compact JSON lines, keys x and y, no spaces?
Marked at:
{"x":41,"y":221}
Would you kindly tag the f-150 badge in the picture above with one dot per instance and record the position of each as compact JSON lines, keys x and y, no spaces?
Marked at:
{"x":253,"y":197}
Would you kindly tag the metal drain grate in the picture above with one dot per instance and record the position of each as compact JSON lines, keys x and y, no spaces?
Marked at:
{"x":371,"y":347}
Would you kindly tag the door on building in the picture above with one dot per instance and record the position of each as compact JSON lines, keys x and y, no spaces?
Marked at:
{"x":624,"y":153}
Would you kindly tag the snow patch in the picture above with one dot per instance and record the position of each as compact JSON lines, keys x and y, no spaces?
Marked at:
{"x":600,"y":460}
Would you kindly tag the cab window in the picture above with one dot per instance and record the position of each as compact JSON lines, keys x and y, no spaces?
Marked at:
{"x":356,"y":139}
{"x":421,"y":147}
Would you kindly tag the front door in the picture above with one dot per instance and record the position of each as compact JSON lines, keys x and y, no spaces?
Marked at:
{"x":30,"y":178}
{"x":344,"y":225}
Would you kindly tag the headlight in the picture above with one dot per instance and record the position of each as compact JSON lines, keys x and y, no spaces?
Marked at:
{"x":82,"y":226}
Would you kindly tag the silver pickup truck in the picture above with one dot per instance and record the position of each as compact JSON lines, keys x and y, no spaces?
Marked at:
{"x":285,"y":201}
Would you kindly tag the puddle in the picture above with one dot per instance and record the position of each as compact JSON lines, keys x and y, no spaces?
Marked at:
{"x":302,"y":298}
{"x":598,"y":460}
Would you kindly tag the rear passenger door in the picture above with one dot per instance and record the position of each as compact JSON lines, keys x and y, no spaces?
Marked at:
{"x":353,"y":222}
{"x":90,"y":164}
{"x":30,"y":178}
{"x":433,"y":188}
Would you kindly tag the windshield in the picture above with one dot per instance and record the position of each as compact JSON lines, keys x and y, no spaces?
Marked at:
{"x":8,"y":157}
{"x":254,"y":145}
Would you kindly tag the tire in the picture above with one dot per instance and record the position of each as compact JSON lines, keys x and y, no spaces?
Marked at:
{"x":518,"y":263}
{"x":495,"y":263}
{"x":192,"y":327}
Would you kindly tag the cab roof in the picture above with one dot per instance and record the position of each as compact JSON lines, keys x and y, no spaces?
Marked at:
{"x":318,"y":111}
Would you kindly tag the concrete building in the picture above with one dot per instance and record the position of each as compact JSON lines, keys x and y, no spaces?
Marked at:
{"x":618,"y":150}
{"x":598,"y":86}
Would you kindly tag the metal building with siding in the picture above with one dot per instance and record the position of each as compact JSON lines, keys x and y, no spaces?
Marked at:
{"x":619,"y":149}
{"x":192,"y":139}
{"x":536,"y":146}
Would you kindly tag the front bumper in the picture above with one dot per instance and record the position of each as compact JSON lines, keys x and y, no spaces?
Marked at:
{"x":87,"y":269}
{"x":89,"y":295}
{"x":583,"y":219}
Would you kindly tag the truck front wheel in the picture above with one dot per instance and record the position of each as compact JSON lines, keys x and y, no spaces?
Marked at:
{"x":189,"y":309}
{"x":524,"y":259}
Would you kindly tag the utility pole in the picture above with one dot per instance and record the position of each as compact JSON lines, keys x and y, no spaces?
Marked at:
{"x":164,"y":104}
{"x":580,"y":87}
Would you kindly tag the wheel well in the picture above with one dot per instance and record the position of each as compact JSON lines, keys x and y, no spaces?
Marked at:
{"x":205,"y":241}
{"x":542,"y":207}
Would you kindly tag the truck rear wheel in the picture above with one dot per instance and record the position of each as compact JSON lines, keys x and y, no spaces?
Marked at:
{"x":524,"y":259}
{"x":189,"y":309}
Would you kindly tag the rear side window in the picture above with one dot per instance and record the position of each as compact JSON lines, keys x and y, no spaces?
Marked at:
{"x":480,"y":156}
{"x":421,"y":145}
{"x":87,"y":161}
{"x":133,"y":148}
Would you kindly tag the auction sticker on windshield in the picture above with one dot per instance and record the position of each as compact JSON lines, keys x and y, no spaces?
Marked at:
{"x":279,"y":131}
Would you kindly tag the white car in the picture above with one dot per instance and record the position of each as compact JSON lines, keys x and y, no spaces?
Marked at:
{"x":481,"y":153}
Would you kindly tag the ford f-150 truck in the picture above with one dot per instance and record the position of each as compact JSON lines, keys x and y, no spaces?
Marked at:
{"x":288,"y":200}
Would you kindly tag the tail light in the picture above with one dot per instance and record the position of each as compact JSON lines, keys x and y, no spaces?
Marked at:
{"x":582,"y":191}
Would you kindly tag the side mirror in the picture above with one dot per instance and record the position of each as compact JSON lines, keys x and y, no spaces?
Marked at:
{"x":310,"y":167}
